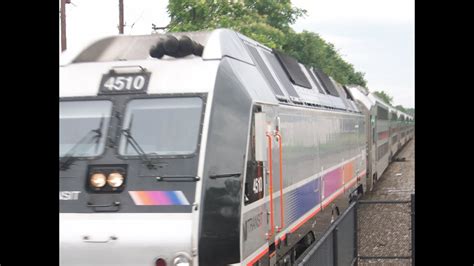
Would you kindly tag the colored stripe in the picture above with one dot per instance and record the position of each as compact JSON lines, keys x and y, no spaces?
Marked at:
{"x":305,"y":220}
{"x":296,"y":185}
{"x":351,"y":183}
{"x":136,"y":198}
{"x":302,"y":200}
{"x":348,"y":171}
{"x":383,"y":135}
{"x":332,"y":181}
{"x":259,"y":256}
{"x":296,"y":227}
{"x":182,"y":198}
{"x":158,"y":198}
{"x":331,"y":198}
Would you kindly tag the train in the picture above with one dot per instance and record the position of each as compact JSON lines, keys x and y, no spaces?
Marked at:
{"x":209,"y":148}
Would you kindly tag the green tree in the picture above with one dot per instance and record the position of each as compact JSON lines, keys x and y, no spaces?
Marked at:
{"x":268,"y":22}
{"x":384,"y":97}
{"x":264,"y":21}
{"x":401,"y":108}
{"x":411,"y":111}
{"x":310,"y":49}
{"x":279,"y":14}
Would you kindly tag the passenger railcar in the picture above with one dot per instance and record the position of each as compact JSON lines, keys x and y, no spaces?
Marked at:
{"x":205,"y":148}
{"x":388,"y":129}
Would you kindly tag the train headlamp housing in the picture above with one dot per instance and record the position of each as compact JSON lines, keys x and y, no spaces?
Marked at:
{"x":115,"y":179}
{"x":182,"y":259}
{"x":103,"y":179}
{"x":97,"y":180}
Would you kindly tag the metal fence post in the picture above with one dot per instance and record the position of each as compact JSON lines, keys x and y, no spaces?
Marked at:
{"x":334,"y":245}
{"x":356,"y":240}
{"x":413,"y":229}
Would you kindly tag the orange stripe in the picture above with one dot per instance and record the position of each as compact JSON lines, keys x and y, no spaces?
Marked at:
{"x":305,"y":220}
{"x":282,"y":238}
{"x":258,"y":257}
{"x":351,"y":182}
{"x":145,"y":198}
{"x":348,"y":170}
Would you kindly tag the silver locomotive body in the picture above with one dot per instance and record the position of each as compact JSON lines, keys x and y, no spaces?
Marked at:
{"x":214,"y":158}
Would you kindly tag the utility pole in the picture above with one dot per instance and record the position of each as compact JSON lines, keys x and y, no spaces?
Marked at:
{"x":121,"y":24}
{"x":63,"y":25}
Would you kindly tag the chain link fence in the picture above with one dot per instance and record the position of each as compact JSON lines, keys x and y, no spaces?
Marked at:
{"x":338,"y":246}
{"x":376,"y":232}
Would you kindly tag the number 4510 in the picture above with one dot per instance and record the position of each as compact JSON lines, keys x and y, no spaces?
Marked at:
{"x":125,"y":83}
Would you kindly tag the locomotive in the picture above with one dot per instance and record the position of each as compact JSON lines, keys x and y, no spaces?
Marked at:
{"x":209,"y":148}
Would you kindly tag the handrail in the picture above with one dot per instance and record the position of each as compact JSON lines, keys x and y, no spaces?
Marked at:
{"x":272,"y":224}
{"x":282,"y":220}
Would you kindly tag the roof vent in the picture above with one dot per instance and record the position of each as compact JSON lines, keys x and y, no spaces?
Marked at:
{"x":172,"y":46}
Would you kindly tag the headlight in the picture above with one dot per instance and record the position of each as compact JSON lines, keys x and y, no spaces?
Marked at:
{"x":98,"y":180}
{"x":181,"y":260}
{"x":115,"y":180}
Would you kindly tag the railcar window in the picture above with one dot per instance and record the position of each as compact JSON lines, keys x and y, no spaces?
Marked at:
{"x":292,"y":69}
{"x":322,"y":84}
{"x":163,"y":126}
{"x":254,"y":178}
{"x":311,"y":75}
{"x":83,"y":127}
{"x":382,"y":113}
{"x":394,"y":116}
{"x":265,"y":71}
{"x":394,"y":139}
{"x":280,"y":73}
{"x":327,"y":83}
{"x":382,"y":150}
{"x":348,"y":94}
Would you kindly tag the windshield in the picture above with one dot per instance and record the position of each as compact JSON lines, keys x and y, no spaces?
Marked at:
{"x":83,"y":127}
{"x":162,"y":126}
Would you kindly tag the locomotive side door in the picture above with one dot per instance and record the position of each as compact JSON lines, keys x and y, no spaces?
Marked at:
{"x":267,"y":151}
{"x":256,"y":209}
{"x":262,"y":212}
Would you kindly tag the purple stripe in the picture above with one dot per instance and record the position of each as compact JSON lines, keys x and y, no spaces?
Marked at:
{"x":332,"y":181}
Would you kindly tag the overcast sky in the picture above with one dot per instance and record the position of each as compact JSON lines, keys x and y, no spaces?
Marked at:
{"x":376,"y":36}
